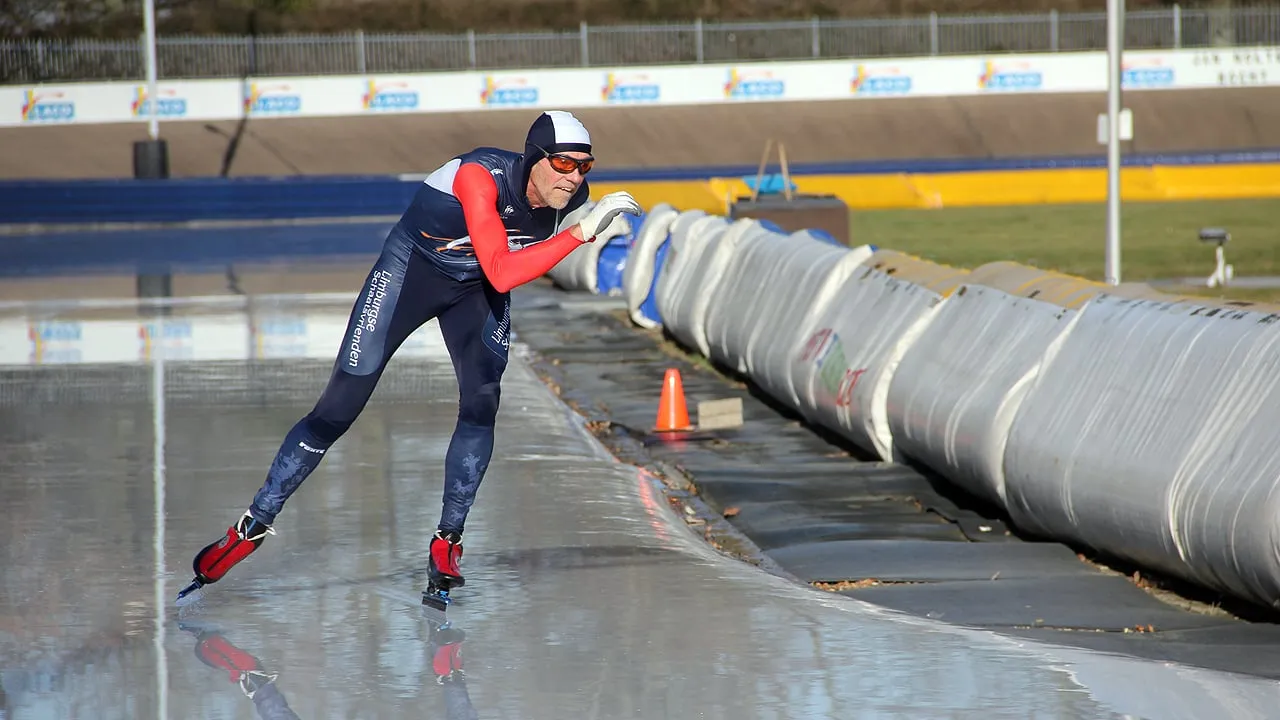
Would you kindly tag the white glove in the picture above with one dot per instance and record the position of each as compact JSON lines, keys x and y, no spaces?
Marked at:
{"x":617,"y":227}
{"x":611,"y":206}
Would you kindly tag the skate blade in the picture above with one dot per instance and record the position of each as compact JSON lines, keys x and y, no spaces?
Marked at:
{"x":190,"y":595}
{"x":435,"y":616}
{"x":435,"y":602}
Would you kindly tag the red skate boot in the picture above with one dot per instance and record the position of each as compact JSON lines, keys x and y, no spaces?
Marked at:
{"x":443,"y":573}
{"x":446,"y":652}
{"x":217,"y":558}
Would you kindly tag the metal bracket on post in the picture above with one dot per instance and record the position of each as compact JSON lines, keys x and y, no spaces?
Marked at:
{"x":1223,"y":273}
{"x":1126,"y":127}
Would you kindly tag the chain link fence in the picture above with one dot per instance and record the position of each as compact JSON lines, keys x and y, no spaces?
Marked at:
{"x":191,"y":57}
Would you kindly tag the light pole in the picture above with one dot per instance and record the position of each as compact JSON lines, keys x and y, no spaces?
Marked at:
{"x":151,"y":157}
{"x":1115,"y":44}
{"x":153,"y":98}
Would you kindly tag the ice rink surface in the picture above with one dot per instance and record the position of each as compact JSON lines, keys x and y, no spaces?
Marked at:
{"x":585,"y":598}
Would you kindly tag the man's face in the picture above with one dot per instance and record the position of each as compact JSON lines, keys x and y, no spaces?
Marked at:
{"x":550,"y":186}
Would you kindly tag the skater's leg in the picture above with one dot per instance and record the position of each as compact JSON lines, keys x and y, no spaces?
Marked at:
{"x":476,"y":331}
{"x":401,"y":293}
{"x":395,"y":300}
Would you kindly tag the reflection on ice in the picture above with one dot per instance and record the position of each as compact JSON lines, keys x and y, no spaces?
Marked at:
{"x":585,"y":597}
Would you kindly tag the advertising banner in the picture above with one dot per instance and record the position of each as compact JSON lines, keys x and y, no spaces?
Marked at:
{"x":265,"y":98}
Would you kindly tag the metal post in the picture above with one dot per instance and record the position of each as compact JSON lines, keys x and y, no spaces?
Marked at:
{"x":1177,"y":26}
{"x":1053,"y":30}
{"x":153,"y":95}
{"x":582,"y":32}
{"x":360,"y":53}
{"x":933,"y":33}
{"x":471,"y":46}
{"x":817,"y":36}
{"x":1115,"y":37}
{"x":697,"y":29}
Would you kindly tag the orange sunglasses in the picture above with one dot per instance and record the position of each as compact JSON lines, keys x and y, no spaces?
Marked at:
{"x":564,"y":164}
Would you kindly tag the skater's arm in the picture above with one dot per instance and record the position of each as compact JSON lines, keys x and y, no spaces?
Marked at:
{"x":476,"y":190}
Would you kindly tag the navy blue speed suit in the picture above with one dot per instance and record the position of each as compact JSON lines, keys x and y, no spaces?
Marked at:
{"x":468,"y":237}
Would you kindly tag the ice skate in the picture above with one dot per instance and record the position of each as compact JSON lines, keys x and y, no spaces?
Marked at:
{"x":446,"y":652}
{"x":241,"y":667}
{"x":213,"y":562}
{"x":443,"y":573}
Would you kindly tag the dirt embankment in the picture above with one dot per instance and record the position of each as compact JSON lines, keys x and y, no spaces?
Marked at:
{"x":971,"y":127}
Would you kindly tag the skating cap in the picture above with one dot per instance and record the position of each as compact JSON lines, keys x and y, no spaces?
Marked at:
{"x":556,"y":131}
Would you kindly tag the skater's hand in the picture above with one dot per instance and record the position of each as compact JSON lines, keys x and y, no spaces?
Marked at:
{"x":619,"y":225}
{"x":605,"y":212}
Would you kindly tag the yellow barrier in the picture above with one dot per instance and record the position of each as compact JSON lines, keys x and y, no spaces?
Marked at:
{"x":942,"y":279}
{"x":681,"y":194}
{"x":1044,"y":285}
{"x":996,"y":187}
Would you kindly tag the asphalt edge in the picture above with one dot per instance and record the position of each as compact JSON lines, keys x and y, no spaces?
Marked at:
{"x":677,"y":486}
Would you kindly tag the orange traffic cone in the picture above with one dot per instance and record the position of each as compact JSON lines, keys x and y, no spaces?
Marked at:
{"x":673,"y":416}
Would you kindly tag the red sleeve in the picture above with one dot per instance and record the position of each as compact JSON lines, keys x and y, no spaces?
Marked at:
{"x":476,"y":190}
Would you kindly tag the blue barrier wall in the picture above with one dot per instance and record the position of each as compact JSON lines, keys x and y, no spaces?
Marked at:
{"x":184,"y":249}
{"x":185,"y":199}
{"x":179,"y":200}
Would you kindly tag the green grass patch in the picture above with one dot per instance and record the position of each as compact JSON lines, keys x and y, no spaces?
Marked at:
{"x":1158,"y":240}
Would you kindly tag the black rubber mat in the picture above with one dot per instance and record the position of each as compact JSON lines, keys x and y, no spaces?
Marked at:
{"x":927,"y":561}
{"x":768,"y":533}
{"x":1100,"y":602}
{"x":871,"y":495}
{"x":792,"y":523}
{"x":1249,"y":649}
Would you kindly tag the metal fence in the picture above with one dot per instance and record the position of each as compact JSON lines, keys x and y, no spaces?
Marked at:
{"x":31,"y":61}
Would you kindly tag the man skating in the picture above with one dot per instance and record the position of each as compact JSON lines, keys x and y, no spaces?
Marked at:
{"x":483,"y":223}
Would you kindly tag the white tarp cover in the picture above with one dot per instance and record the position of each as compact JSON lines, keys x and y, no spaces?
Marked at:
{"x":677,"y":233}
{"x":712,"y":272}
{"x":958,"y":386}
{"x":1152,"y":436}
{"x":808,"y":274}
{"x":681,"y":279}
{"x":690,"y":307}
{"x":817,"y":236}
{"x":850,"y":358}
{"x":740,"y":296}
{"x":638,"y":275}
{"x":579,"y":269}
